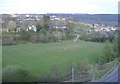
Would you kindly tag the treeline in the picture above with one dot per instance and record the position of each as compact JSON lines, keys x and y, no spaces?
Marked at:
{"x":99,"y":36}
{"x":45,"y":34}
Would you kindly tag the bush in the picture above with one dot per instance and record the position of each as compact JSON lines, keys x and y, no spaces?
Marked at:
{"x":54,"y":75}
{"x":40,"y":37}
{"x":16,"y":74}
{"x":108,"y":54}
{"x":25,"y":35}
{"x":34,"y":39}
{"x":56,"y":36}
{"x":84,"y":67}
{"x":50,"y":37}
{"x":115,"y":46}
{"x":8,"y":39}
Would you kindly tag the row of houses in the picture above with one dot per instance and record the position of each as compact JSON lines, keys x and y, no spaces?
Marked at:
{"x":107,"y":29}
{"x":100,"y":27}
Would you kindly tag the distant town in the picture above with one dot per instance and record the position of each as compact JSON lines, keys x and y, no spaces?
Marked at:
{"x":29,"y":22}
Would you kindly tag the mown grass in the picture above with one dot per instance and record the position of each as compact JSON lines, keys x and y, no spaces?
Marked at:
{"x":46,"y":58}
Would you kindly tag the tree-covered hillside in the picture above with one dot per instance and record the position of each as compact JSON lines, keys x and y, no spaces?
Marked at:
{"x":108,"y":19}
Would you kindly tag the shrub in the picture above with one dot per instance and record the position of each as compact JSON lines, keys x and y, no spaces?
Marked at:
{"x":25,"y":35}
{"x":8,"y":39}
{"x":16,"y":74}
{"x":115,"y":46}
{"x":34,"y":39}
{"x":54,"y":75}
{"x":108,"y":54}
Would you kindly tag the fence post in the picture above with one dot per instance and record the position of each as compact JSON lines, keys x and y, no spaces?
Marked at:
{"x":72,"y":73}
{"x":93,"y":74}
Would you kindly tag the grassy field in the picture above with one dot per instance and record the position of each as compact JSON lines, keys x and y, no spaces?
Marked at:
{"x":45,"y":58}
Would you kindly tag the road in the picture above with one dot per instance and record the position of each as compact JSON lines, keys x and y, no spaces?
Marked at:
{"x":112,"y":76}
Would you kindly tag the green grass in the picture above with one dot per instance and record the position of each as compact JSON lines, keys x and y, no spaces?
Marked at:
{"x":43,"y":58}
{"x":101,"y":73}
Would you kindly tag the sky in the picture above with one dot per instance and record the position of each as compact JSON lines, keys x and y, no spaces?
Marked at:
{"x":59,"y":6}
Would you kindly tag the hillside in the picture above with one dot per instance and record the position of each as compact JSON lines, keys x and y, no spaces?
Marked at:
{"x":108,"y":19}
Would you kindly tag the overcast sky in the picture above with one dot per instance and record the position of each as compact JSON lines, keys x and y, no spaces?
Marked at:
{"x":59,"y":6}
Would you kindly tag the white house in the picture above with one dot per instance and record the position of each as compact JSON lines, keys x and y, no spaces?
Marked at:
{"x":32,"y":27}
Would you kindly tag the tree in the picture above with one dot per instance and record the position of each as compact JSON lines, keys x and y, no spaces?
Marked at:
{"x":115,"y":46}
{"x":69,"y":31}
{"x":46,"y":22}
{"x":12,"y":25}
{"x":38,"y":28}
{"x":5,"y":24}
{"x":46,"y":19}
{"x":108,"y":54}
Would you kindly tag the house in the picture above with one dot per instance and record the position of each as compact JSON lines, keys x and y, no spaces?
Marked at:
{"x":32,"y":27}
{"x":5,"y":29}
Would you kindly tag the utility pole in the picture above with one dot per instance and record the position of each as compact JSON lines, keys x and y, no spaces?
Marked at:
{"x":72,"y":73}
